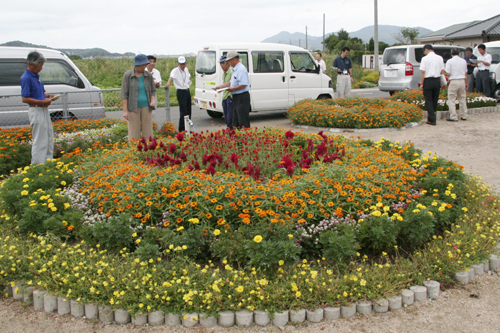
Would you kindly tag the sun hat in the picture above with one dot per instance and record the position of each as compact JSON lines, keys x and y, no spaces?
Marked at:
{"x":181,"y":60}
{"x":223,"y":58}
{"x":141,"y":59}
{"x":232,"y":54}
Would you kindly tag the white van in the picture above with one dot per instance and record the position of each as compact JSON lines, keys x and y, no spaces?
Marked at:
{"x":279,"y":74}
{"x":493,"y":48}
{"x":59,"y":75}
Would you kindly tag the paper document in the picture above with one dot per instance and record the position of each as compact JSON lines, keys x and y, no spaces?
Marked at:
{"x":56,"y":97}
{"x":474,"y":61}
{"x":222,"y":89}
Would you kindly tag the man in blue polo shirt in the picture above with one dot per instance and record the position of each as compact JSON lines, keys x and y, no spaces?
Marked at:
{"x":33,"y":94}
{"x":240,"y":87}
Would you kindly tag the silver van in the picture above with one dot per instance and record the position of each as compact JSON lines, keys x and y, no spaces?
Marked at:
{"x":400,"y":68}
{"x":80,"y":99}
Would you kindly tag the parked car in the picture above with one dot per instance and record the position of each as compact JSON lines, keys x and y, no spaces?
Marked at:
{"x":80,"y":99}
{"x":279,"y":74}
{"x":400,"y":68}
{"x":493,"y":48}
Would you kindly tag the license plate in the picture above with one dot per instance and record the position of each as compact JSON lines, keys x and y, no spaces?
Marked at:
{"x":391,"y":73}
{"x":203,"y":105}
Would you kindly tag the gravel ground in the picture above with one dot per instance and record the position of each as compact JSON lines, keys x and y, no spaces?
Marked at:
{"x":474,"y":144}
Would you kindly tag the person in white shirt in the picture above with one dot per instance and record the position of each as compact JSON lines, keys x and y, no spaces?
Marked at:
{"x":182,"y":81}
{"x":431,"y":69}
{"x":456,"y":71}
{"x":156,"y":75}
{"x":483,"y":71}
{"x":321,"y":63}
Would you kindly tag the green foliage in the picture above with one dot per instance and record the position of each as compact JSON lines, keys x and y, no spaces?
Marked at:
{"x":148,"y":251}
{"x":112,"y":234}
{"x":407,"y":35}
{"x":339,"y":245}
{"x":378,"y":233}
{"x":417,"y":226}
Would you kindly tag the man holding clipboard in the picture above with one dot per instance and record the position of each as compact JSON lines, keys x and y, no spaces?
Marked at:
{"x":227,"y":97}
{"x":33,"y":94}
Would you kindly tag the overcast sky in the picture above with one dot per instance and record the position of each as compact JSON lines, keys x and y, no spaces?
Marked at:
{"x":173,"y":27}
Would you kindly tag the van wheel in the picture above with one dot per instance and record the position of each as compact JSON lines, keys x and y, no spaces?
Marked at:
{"x":55,"y":116}
{"x":496,"y":93}
{"x":326,"y":96}
{"x":215,"y":114}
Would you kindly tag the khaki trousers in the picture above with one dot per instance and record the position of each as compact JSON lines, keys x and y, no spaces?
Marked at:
{"x":456,"y":91}
{"x":43,"y":135}
{"x":343,"y":86}
{"x":140,"y":124}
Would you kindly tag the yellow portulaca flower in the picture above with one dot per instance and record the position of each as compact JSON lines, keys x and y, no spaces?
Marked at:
{"x":240,"y":289}
{"x":257,"y":239}
{"x":194,"y":221}
{"x":24,"y":192}
{"x":216,"y":232}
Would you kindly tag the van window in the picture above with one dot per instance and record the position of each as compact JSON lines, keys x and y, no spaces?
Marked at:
{"x":267,"y":61}
{"x":205,"y":62}
{"x":11,"y":72}
{"x":394,"y":56}
{"x":302,"y":62}
{"x":243,"y":58}
{"x":58,"y":72}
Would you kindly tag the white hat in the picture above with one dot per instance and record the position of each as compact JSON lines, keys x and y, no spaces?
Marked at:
{"x":232,"y":54}
{"x":181,"y":60}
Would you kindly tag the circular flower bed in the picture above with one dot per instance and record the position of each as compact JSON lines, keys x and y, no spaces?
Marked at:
{"x":474,"y":100}
{"x":353,"y":113}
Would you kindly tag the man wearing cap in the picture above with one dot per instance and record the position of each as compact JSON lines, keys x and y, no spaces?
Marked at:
{"x":138,"y":93}
{"x":156,"y":74}
{"x":240,"y":87}
{"x":227,"y":97}
{"x":33,"y":94}
{"x":182,"y":81}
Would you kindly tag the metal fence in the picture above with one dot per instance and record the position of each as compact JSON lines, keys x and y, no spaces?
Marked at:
{"x":73,"y":105}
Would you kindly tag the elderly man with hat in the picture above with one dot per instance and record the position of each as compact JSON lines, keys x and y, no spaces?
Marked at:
{"x":227,"y":97}
{"x":182,"y":81}
{"x":138,"y":93}
{"x":240,"y":87}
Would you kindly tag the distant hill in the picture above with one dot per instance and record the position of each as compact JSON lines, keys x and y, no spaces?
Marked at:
{"x":385,"y":33}
{"x":84,"y":53}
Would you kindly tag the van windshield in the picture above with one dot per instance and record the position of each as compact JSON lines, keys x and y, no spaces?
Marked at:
{"x":494,"y":51}
{"x":394,"y":56}
{"x":205,"y":62}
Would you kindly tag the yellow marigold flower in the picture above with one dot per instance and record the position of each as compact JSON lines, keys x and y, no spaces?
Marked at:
{"x":465,"y":209}
{"x":194,"y":221}
{"x":216,"y":232}
{"x":180,"y":228}
{"x":63,"y":183}
{"x":64,"y":223}
{"x":257,"y":239}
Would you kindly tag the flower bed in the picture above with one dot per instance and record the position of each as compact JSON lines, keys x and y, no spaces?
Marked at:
{"x":353,"y":113}
{"x":474,"y":100}
{"x":255,"y":219}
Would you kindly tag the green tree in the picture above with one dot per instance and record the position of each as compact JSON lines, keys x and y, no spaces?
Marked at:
{"x":330,"y":42}
{"x":406,"y":35}
{"x":343,"y":34}
{"x":371,"y":45}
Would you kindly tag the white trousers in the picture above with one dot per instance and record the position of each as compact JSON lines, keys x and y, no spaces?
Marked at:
{"x":42,"y":134}
{"x":456,"y":91}
{"x":343,"y":86}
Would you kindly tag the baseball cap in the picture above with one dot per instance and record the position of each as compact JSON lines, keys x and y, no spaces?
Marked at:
{"x":223,"y":58}
{"x":181,"y":60}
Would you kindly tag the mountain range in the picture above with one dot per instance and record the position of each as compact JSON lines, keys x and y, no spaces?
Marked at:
{"x":385,"y":34}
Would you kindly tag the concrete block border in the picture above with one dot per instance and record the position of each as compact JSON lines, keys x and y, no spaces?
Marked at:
{"x":440,"y":115}
{"x":42,"y":300}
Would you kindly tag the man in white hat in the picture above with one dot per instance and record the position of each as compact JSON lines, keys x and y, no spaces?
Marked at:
{"x":182,"y":81}
{"x":239,"y":86}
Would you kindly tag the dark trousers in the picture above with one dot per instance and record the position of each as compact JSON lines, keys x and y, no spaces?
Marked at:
{"x":184,"y":99}
{"x":241,"y":116}
{"x":228,"y":107}
{"x":431,"y":96}
{"x":483,"y":83}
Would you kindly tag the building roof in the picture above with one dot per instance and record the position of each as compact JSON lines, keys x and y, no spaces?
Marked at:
{"x":487,"y":27}
{"x":450,"y":29}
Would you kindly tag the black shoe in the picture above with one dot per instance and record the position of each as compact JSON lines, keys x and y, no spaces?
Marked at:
{"x":430,"y":123}
{"x":448,"y":119}
{"x":463,"y":118}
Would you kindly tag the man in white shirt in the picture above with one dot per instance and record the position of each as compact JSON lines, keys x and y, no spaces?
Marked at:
{"x":431,"y":68}
{"x":156,"y":75}
{"x":456,"y":71}
{"x":182,"y":81}
{"x":483,"y":71}
{"x":321,"y":63}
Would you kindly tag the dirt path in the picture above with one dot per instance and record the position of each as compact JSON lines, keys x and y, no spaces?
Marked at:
{"x":474,"y":143}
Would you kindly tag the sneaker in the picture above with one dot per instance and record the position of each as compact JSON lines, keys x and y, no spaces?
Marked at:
{"x":448,"y":119}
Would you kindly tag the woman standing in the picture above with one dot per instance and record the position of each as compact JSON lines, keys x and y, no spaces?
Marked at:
{"x":138,"y":94}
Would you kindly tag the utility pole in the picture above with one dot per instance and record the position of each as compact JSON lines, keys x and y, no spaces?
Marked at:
{"x":306,"y":38}
{"x":375,"y":37}
{"x":323,"y":32}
